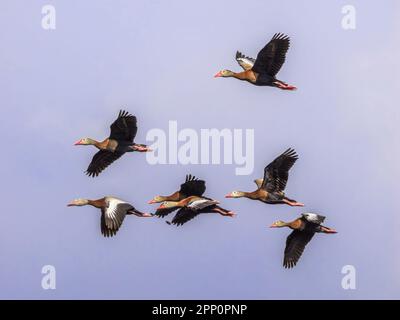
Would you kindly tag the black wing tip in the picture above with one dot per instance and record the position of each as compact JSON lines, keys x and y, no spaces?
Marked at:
{"x":290,"y":152}
{"x":125,"y":114}
{"x":175,"y":223}
{"x":240,"y":55}
{"x":159,"y":214}
{"x":189,"y":177}
{"x":280,"y":36}
{"x":92,"y":174}
{"x":289,"y":264}
{"x":108,"y":233}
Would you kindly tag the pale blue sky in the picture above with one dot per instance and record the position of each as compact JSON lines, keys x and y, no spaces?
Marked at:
{"x":157,"y":59}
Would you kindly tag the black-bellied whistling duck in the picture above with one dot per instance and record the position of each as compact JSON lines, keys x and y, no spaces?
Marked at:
{"x":262,"y":71}
{"x":123,"y":131}
{"x":190,"y":208}
{"x":191,"y":187}
{"x":271,"y":187}
{"x":113,"y":212}
{"x":304,"y":229}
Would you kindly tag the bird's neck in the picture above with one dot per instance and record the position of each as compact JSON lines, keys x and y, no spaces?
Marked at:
{"x":245,"y":75}
{"x":99,"y":203}
{"x":296,"y":224}
{"x":172,"y":197}
{"x":97,"y":144}
{"x":258,"y":194}
{"x":105,"y":144}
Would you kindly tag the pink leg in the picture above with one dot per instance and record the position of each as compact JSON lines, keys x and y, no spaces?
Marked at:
{"x":224,"y":213}
{"x":285,"y":86}
{"x":293,"y":204}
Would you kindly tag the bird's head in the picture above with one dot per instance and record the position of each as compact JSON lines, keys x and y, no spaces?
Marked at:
{"x":278,"y":224}
{"x":141,"y":148}
{"x":84,"y":142}
{"x":156,"y":199}
{"x":78,"y":203}
{"x":167,"y":204}
{"x":235,"y":194}
{"x":224,"y":73}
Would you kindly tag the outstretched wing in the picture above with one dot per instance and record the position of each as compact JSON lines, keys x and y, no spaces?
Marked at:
{"x":184,"y":215}
{"x":124,"y":128}
{"x":295,"y":244}
{"x":192,"y":187}
{"x":105,"y":231}
{"x":245,"y":62}
{"x":161,"y":213}
{"x":271,"y":58}
{"x":276,"y":173}
{"x":101,"y":160}
{"x":113,"y":216}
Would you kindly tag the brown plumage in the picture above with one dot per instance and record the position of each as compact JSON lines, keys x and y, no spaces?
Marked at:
{"x":262,"y":71}
{"x":191,"y":187}
{"x":271,"y":187}
{"x":123,"y":131}
{"x":113,"y":212}
{"x":304,"y":229}
{"x":189,"y":208}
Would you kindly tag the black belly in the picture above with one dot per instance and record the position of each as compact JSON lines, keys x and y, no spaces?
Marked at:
{"x":264,"y":79}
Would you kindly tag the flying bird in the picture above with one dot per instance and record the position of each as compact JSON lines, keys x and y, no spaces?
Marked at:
{"x":271,"y":187}
{"x":189,"y":208}
{"x":120,"y":141}
{"x":191,"y":187}
{"x":262,"y":71}
{"x":304,"y":229}
{"x":113,"y":212}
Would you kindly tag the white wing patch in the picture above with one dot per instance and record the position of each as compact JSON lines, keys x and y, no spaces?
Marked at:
{"x":245,"y":62}
{"x":313,"y":217}
{"x":115,"y":213}
{"x":259,"y":182}
{"x":201,"y":204}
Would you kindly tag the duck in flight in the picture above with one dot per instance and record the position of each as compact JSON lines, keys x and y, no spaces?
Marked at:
{"x":262,"y":70}
{"x":113,"y":212}
{"x":191,"y":187}
{"x":120,"y":141}
{"x":189,"y":208}
{"x":304,"y":229}
{"x":271,"y":187}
